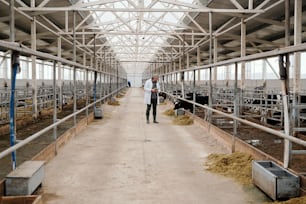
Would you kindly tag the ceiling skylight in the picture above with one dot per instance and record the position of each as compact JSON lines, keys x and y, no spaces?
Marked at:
{"x":137,"y":36}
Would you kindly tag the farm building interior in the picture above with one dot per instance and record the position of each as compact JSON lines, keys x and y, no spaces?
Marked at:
{"x":235,"y":68}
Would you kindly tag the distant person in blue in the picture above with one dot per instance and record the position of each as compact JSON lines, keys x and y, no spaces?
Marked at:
{"x":129,"y":83}
{"x":151,"y":89}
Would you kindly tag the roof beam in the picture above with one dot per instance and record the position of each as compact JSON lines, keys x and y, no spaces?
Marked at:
{"x":43,"y":3}
{"x":137,"y":10}
{"x":270,"y":21}
{"x":236,"y":4}
{"x":93,"y":3}
{"x":161,"y":33}
{"x":196,"y":23}
{"x":178,"y":3}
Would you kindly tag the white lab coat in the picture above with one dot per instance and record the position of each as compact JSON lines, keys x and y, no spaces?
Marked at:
{"x":147,"y":88}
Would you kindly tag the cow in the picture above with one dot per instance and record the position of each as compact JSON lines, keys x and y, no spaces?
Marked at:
{"x":162,"y":94}
{"x":189,"y":106}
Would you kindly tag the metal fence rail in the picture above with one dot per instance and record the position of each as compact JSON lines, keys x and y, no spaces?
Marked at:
{"x":60,"y":121}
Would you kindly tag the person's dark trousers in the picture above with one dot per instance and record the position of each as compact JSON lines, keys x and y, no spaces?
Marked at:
{"x":154,"y":104}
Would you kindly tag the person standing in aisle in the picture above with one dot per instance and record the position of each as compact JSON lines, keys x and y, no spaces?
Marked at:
{"x":151,"y":89}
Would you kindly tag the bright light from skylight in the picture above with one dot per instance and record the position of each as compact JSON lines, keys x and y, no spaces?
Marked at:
{"x":136,"y":36}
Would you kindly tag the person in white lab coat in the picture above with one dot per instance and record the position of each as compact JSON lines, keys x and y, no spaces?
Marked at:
{"x":151,"y":89}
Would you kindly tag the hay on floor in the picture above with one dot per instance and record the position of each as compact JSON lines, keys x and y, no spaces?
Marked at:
{"x":183,"y":120}
{"x":237,"y":165}
{"x":300,"y":200}
{"x":113,"y":103}
{"x":119,"y":95}
{"x":169,"y":112}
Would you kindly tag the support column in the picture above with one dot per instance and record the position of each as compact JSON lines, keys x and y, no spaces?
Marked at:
{"x":297,"y":64}
{"x":110,"y":74}
{"x":12,"y":20}
{"x":215,"y":60}
{"x":236,"y":108}
{"x":199,"y":62}
{"x":34,"y":70}
{"x":284,"y":74}
{"x":194,"y":93}
{"x":227,"y":75}
{"x":243,"y":53}
{"x":59,"y":74}
{"x":264,"y":77}
{"x":86,"y":88}
{"x":54,"y":103}
{"x":209,"y":113}
{"x":12,"y":115}
{"x":117,"y":75}
{"x":187,"y":65}
{"x":74,"y":69}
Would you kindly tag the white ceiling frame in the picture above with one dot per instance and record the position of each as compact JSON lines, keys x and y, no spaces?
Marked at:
{"x":152,"y":3}
{"x":137,"y":10}
{"x":154,"y":22}
{"x":196,"y":23}
{"x":127,"y":46}
{"x":174,"y":33}
{"x":236,"y":4}
{"x":121,"y":20}
{"x":21,"y":3}
{"x":263,"y":4}
{"x":157,"y":21}
{"x":225,"y":25}
{"x":270,"y":21}
{"x":110,"y":22}
{"x":93,"y":3}
{"x":161,"y":32}
{"x":177,"y":3}
{"x":83,"y":21}
{"x":132,"y":3}
{"x":252,"y":16}
{"x":43,"y":3}
{"x":147,"y":44}
{"x":59,"y":30}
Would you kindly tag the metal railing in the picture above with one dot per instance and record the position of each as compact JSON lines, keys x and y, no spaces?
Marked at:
{"x":54,"y":125}
{"x":281,"y":52}
{"x":114,"y":84}
{"x":255,"y":125}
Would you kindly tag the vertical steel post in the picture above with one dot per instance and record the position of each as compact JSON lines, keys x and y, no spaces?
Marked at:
{"x":295,"y":114}
{"x":210,"y":101}
{"x":59,"y":74}
{"x":285,"y":87}
{"x":34,"y":81}
{"x":236,"y":108}
{"x":194,"y":91}
{"x":13,"y":70}
{"x":199,"y":62}
{"x":54,"y":101}
{"x":12,"y":20}
{"x":74,"y":70}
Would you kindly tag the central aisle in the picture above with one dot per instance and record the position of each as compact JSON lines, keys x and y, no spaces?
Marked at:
{"x":121,"y":159}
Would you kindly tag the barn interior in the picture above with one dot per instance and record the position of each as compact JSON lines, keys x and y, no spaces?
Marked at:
{"x":236,"y":65}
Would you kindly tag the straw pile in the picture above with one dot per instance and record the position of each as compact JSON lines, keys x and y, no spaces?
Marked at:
{"x":169,"y":112}
{"x":300,"y":200}
{"x":113,"y":103}
{"x":183,"y":120}
{"x":120,"y":95}
{"x":237,"y":165}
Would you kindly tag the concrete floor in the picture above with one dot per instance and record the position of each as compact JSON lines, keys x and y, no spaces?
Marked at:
{"x":121,"y":159}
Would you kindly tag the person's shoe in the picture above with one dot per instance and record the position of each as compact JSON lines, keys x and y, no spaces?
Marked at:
{"x":148,"y":122}
{"x":155,"y":121}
